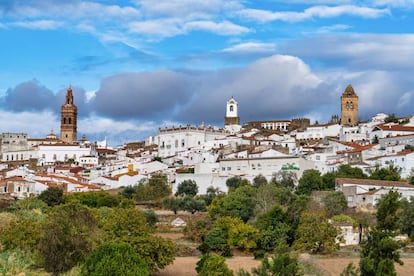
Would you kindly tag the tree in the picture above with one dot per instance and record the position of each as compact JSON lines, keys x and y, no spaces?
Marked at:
{"x":52,"y":196}
{"x":346,"y":171}
{"x":335,"y":203}
{"x":392,"y":173}
{"x":213,"y":265}
{"x":328,"y":181}
{"x":233,"y":183}
{"x":286,"y":179}
{"x":172,"y":203}
{"x":211,"y":194}
{"x":155,"y":188}
{"x":70,"y":235}
{"x":192,"y":205}
{"x":379,"y":250}
{"x":93,"y":199}
{"x":282,"y":263}
{"x":315,"y":234}
{"x":311,"y":180}
{"x":259,"y":180}
{"x":187,"y":188}
{"x":130,"y":226}
{"x":239,"y":203}
{"x":407,"y":218}
{"x":115,"y":259}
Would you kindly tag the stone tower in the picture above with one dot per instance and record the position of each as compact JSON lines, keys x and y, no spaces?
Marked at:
{"x":232,"y":117}
{"x":349,"y":107}
{"x":68,"y":119}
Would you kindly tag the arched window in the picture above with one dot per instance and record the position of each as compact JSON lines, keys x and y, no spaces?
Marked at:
{"x":64,"y":120}
{"x":70,"y":120}
{"x":231,"y":108}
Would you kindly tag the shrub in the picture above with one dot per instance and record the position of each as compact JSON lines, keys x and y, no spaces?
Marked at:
{"x":115,"y":259}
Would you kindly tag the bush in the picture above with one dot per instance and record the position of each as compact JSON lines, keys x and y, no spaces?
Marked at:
{"x":115,"y":259}
{"x":213,"y":265}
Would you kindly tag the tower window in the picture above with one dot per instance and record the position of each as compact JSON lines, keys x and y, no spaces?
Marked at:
{"x":70,"y":121}
{"x":64,"y":120}
{"x":231,"y":108}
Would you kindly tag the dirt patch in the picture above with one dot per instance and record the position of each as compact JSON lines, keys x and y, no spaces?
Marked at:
{"x":334,"y":266}
{"x":185,"y":266}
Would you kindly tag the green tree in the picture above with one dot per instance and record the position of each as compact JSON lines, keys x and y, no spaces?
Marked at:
{"x":155,"y":188}
{"x":281,"y":263}
{"x":192,"y":205}
{"x":287,"y":179}
{"x":51,"y":196}
{"x":239,"y":203}
{"x":93,"y":199}
{"x":129,"y":192}
{"x":407,"y":217}
{"x":70,"y":235}
{"x":392,"y":173}
{"x":346,"y":171}
{"x":315,"y":234}
{"x":150,"y":217}
{"x":379,"y":250}
{"x":115,"y":259}
{"x":233,"y":183}
{"x":211,"y":194}
{"x":187,"y":188}
{"x":311,"y":180}
{"x":130,"y":225}
{"x":259,"y":180}
{"x":172,"y":203}
{"x":213,"y":265}
{"x":335,"y":203}
{"x":328,"y":181}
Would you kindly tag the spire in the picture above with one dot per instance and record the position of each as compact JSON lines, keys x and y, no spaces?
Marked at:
{"x":349,"y":91}
{"x":69,"y":95}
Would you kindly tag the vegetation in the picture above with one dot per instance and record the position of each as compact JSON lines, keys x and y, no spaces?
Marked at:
{"x":213,"y":265}
{"x":51,"y":196}
{"x":315,"y":234}
{"x":379,"y":250}
{"x":335,"y":203}
{"x":115,"y":259}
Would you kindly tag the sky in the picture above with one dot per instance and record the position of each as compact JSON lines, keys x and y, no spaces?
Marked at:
{"x":139,"y":65}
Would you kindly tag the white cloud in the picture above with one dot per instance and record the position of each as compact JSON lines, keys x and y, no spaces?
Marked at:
{"x":333,"y":28}
{"x":251,"y":47}
{"x":394,"y":3}
{"x":35,"y":124}
{"x":221,"y":28}
{"x":312,"y":12}
{"x":173,"y":26}
{"x":187,"y":8}
{"x":38,"y":24}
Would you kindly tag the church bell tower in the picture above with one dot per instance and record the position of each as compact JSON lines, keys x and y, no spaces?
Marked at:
{"x":68,"y":119}
{"x":349,"y":107}
{"x":232,"y":117}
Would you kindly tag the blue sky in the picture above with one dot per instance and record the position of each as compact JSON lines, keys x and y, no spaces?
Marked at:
{"x":142,"y":64}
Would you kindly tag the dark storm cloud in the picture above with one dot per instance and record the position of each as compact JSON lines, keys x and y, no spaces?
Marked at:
{"x":29,"y":96}
{"x":278,"y":87}
{"x":32,"y":96}
{"x":155,"y":95}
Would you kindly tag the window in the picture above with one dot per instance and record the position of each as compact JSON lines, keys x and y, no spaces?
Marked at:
{"x":231,"y":108}
{"x":350,"y":198}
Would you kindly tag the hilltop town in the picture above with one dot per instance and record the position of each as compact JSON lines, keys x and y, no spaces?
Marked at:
{"x":264,"y":184}
{"x":209,"y":155}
